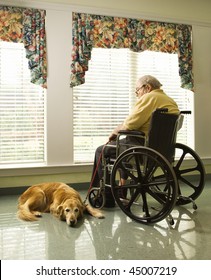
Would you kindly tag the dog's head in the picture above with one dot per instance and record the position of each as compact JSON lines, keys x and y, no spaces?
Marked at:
{"x":70,"y":211}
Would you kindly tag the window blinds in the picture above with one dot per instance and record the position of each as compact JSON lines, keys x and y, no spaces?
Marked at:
{"x":22,"y":109}
{"x":108,"y":95}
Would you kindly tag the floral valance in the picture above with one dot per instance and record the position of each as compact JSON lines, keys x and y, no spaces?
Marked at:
{"x":27,"y":26}
{"x":136,"y":34}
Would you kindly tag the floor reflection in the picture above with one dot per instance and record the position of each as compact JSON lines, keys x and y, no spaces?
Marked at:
{"x":130,"y":240}
{"x":115,"y":237}
{"x":19,"y":240}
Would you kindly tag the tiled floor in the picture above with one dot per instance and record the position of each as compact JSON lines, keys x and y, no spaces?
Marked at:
{"x":115,"y":237}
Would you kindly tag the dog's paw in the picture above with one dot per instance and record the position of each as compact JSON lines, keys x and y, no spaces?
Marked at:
{"x":37,"y":214}
{"x":100,"y":216}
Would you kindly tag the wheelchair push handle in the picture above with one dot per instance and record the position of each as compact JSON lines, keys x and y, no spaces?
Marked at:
{"x":186,"y":112}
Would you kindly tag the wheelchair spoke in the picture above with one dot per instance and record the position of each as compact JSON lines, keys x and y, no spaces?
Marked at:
{"x":186,"y":182}
{"x":132,"y":199}
{"x":180,"y":161}
{"x":151,"y":169}
{"x":188,"y":170}
{"x":126,"y":170}
{"x":159,"y":195}
{"x":145,"y":205}
{"x":139,"y":172}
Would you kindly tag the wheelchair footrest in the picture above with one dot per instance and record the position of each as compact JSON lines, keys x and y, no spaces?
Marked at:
{"x":189,"y":199}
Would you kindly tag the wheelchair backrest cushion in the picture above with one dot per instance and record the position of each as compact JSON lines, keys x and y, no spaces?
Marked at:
{"x":163,"y":133}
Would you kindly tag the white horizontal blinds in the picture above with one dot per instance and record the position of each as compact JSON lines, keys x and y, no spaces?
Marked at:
{"x":22,"y":109}
{"x":102,"y":102}
{"x":109,"y":94}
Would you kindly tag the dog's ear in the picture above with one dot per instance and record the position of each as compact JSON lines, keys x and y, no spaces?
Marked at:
{"x":81,"y":207}
{"x":60,"y":212}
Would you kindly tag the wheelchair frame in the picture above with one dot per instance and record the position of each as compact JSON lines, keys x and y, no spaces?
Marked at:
{"x":156,"y":182}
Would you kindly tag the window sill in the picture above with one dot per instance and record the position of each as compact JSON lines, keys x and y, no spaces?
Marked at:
{"x":42,"y":169}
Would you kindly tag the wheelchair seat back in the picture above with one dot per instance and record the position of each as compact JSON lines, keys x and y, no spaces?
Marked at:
{"x":163,"y":133}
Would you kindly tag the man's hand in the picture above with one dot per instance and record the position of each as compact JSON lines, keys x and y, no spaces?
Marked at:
{"x":112,"y":137}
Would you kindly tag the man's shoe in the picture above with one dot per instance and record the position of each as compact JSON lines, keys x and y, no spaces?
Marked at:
{"x":109,"y":199}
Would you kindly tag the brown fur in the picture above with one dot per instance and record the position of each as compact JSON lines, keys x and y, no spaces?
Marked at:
{"x":57,"y":198}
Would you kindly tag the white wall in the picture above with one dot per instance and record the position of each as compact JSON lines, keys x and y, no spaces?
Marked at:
{"x":188,"y":10}
{"x":59,"y":94}
{"x":202,"y":74}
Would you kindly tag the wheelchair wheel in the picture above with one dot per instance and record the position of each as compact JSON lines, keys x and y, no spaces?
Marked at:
{"x":150,"y":192}
{"x":189,"y":188}
{"x":96,"y":198}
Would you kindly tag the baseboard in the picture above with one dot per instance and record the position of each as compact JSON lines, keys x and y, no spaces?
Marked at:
{"x":77,"y":186}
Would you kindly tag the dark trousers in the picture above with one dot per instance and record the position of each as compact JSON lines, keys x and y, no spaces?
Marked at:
{"x":110,"y":152}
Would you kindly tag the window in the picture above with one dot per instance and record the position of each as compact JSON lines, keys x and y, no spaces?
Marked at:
{"x":109,"y":93}
{"x":22,"y":109}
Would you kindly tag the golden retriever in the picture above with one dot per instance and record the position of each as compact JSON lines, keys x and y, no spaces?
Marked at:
{"x":57,"y":198}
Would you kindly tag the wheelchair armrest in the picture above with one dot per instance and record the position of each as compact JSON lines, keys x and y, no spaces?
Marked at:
{"x":131,"y":132}
{"x":132,"y":135}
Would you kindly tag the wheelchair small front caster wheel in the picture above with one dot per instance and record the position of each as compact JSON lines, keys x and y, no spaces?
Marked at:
{"x":170,"y":220}
{"x":96,"y":198}
{"x":194,"y":206}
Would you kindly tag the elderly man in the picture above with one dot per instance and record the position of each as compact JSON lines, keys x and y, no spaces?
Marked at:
{"x":150,"y":97}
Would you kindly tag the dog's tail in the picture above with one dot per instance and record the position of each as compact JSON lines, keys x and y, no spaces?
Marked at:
{"x":25,"y":214}
{"x":94,"y":212}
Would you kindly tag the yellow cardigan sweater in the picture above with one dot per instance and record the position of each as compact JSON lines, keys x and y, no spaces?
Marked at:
{"x":139,"y":118}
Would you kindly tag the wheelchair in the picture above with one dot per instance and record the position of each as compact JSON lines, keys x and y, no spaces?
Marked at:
{"x":156,"y":181}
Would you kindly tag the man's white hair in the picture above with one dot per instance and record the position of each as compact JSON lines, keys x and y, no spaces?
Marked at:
{"x":148,"y":79}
